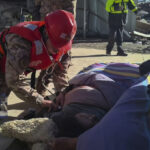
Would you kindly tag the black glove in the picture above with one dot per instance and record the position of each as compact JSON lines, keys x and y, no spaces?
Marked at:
{"x":144,"y":68}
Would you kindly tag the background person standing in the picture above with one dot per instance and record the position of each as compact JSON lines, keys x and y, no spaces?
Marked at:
{"x":118,"y":10}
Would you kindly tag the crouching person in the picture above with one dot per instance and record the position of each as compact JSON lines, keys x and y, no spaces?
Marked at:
{"x":35,"y":45}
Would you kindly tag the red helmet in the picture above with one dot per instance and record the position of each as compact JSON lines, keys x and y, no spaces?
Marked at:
{"x":61,"y":27}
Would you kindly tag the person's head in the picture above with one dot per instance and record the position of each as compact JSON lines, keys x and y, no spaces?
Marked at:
{"x":61,"y":28}
{"x":72,"y":123}
{"x":144,"y":68}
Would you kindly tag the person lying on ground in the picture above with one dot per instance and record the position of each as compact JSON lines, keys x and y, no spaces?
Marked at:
{"x":91,"y":94}
{"x":129,"y":103}
{"x":125,"y":127}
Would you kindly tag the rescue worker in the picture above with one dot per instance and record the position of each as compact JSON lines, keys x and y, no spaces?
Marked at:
{"x":118,"y":10}
{"x":35,"y":45}
{"x":43,"y":7}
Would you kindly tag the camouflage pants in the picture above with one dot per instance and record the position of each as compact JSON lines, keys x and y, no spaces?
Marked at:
{"x":58,"y":77}
{"x":4,"y":90}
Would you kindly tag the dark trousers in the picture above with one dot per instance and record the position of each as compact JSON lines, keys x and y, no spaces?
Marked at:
{"x":115,"y":35}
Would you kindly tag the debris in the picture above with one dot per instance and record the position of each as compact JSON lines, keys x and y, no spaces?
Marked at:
{"x":33,"y":130}
{"x":142,"y":26}
{"x":142,"y":30}
{"x":141,"y":34}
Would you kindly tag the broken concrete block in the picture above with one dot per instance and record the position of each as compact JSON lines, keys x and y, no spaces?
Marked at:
{"x":33,"y":130}
{"x":141,"y":34}
{"x":142,"y":26}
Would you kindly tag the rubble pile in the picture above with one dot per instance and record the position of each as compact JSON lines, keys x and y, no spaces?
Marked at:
{"x":142,"y":30}
{"x":144,"y":6}
{"x":143,"y":18}
{"x":33,"y":130}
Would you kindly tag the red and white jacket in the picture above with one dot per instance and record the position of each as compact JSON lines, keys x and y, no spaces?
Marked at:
{"x":40,"y":59}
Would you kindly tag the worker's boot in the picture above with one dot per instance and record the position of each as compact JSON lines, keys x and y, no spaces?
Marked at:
{"x":3,"y":106}
{"x":121,"y":51}
{"x":109,"y":47}
{"x":108,"y":50}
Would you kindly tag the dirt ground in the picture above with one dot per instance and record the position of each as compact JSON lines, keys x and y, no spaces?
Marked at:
{"x":84,"y":54}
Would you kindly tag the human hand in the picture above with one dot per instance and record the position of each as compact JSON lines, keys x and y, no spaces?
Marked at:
{"x":48,"y":103}
{"x":59,"y":101}
{"x":55,"y":105}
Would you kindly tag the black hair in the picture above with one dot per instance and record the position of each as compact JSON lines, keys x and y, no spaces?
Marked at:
{"x":68,"y":126}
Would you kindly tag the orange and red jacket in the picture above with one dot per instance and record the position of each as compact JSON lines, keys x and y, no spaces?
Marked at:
{"x":40,"y":59}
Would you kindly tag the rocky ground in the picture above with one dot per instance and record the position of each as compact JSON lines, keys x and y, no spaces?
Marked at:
{"x":83,"y":54}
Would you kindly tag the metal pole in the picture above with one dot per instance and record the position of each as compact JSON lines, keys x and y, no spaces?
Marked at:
{"x":84,"y":23}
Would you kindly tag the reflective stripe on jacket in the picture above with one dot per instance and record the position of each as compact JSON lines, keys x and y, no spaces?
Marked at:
{"x":40,"y":58}
{"x":120,"y":6}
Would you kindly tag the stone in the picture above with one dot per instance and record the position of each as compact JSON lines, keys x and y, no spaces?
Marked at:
{"x":33,"y":130}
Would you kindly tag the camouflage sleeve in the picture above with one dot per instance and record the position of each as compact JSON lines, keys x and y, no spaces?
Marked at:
{"x":18,"y":59}
{"x":60,"y":77}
